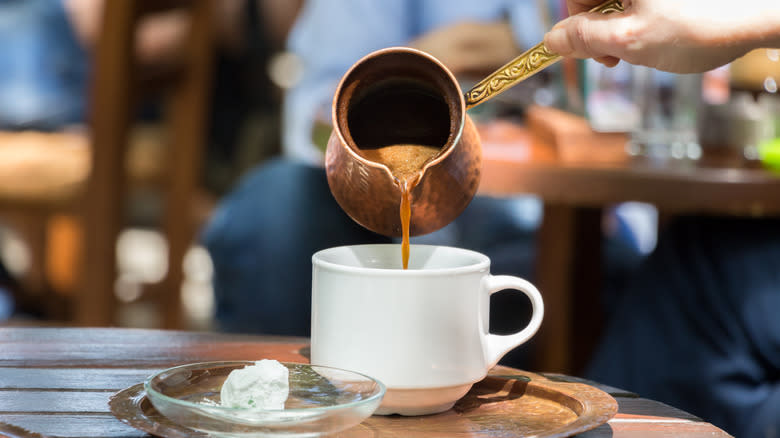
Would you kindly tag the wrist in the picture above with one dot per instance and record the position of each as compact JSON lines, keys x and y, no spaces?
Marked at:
{"x":773,"y":39}
{"x":764,"y":31}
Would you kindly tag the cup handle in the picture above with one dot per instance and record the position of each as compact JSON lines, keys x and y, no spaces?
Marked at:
{"x":496,"y":346}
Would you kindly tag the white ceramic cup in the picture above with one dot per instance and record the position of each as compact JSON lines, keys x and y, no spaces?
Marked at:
{"x":423,"y":332}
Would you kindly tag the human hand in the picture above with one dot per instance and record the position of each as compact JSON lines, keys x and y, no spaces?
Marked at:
{"x":680,"y":36}
{"x":470,"y":47}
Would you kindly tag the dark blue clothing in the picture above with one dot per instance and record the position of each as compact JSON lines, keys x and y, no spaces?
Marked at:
{"x":699,"y":325}
{"x":264,"y":233}
{"x":43,"y":69}
{"x":261,"y":240}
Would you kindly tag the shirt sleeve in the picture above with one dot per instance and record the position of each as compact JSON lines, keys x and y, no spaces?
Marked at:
{"x":530,"y":19}
{"x":330,"y":36}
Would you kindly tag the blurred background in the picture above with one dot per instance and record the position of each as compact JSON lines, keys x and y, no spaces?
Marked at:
{"x":123,"y":126}
{"x":99,"y":98}
{"x":85,"y":85}
{"x":161,"y":161}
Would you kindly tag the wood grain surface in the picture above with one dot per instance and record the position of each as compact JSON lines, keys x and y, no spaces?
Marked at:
{"x":58,"y":382}
{"x":508,"y":403}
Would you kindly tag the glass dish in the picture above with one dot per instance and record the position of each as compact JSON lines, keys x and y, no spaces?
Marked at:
{"x":322,"y":400}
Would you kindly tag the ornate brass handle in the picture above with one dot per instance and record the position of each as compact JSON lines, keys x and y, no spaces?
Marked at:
{"x":534,"y":60}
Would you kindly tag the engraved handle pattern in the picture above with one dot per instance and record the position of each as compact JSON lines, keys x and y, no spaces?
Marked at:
{"x":534,"y":60}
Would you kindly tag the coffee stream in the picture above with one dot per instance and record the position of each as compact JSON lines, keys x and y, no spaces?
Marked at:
{"x":396,"y":123}
{"x":405,"y":162}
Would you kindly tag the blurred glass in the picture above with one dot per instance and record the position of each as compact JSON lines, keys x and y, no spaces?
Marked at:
{"x":609,"y":103}
{"x":668,"y":106}
{"x":742,"y":125}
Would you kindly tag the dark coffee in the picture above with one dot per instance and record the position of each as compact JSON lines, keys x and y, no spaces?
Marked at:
{"x":402,"y":123}
{"x":397,"y":112}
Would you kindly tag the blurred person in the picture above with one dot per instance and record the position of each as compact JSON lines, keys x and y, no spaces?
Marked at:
{"x":698,"y":327}
{"x":45,"y":62}
{"x":245,"y":102}
{"x":43,"y":77}
{"x":263,"y":234}
{"x":45,"y":55}
{"x":43,"y":68}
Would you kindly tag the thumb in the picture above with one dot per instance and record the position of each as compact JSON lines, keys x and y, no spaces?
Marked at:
{"x":590,"y":35}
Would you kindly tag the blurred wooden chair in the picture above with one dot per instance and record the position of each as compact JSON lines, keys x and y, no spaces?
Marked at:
{"x":118,"y":85}
{"x":41,"y":176}
{"x":90,"y":177}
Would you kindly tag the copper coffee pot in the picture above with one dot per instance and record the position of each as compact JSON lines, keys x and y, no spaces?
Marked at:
{"x":401,"y":95}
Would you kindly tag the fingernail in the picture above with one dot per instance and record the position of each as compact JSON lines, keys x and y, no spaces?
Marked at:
{"x":609,"y":61}
{"x":556,"y":41}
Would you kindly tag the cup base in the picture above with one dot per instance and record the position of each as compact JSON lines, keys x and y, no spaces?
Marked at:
{"x":421,"y":401}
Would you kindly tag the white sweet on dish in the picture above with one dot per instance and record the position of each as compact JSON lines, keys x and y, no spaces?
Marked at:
{"x":264,"y":385}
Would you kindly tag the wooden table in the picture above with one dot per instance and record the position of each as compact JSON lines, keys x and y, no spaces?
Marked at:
{"x":578,"y":173}
{"x":57,"y":381}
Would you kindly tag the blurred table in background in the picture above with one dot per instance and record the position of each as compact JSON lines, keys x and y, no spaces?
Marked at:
{"x":578,"y":173}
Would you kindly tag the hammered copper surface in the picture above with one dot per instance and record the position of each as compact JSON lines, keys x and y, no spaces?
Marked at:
{"x":508,"y":403}
{"x":366,"y":190}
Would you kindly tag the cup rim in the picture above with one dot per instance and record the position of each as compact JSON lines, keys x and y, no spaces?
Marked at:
{"x":482,"y":262}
